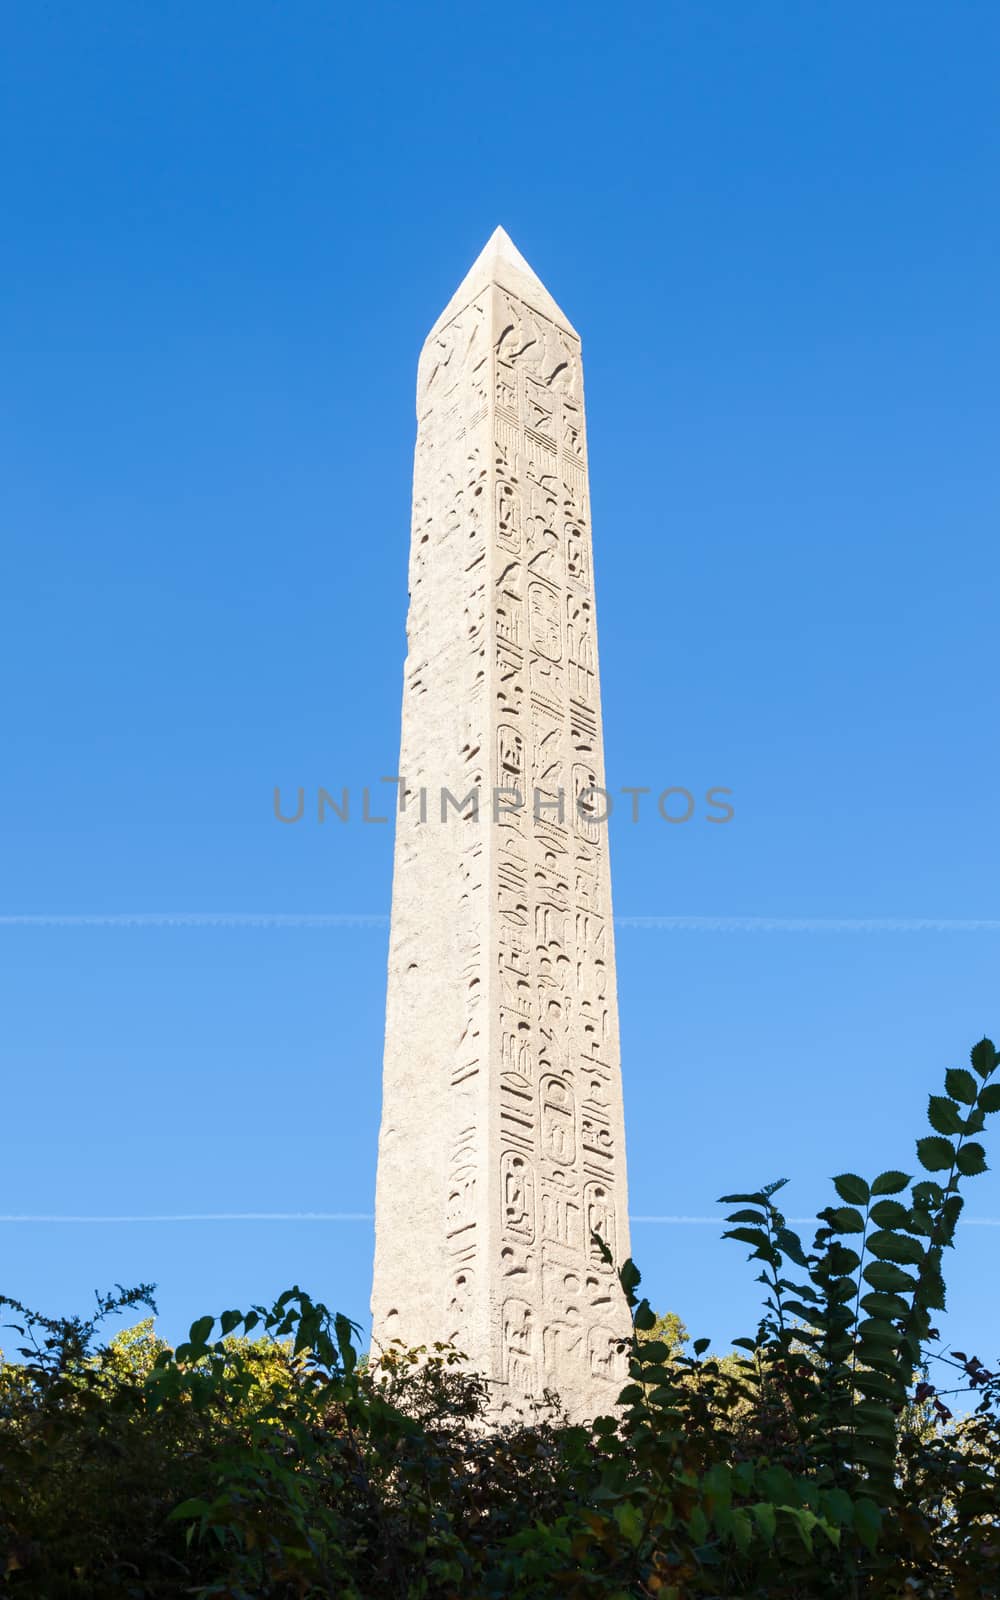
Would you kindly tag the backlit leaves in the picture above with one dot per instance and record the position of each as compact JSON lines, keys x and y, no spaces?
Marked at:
{"x":943,"y":1114}
{"x":891,"y":1182}
{"x":878,"y":1304}
{"x":935,"y":1154}
{"x":971,"y":1160}
{"x":852,"y":1189}
{"x":845,"y":1219}
{"x":884,"y":1275}
{"x":898,"y":1247}
{"x":961,"y":1085}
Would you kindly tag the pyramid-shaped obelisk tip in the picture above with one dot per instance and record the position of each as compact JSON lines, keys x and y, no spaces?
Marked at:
{"x":501,"y":245}
{"x":501,"y":262}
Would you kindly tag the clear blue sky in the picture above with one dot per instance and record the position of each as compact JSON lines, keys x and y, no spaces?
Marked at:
{"x":226,"y":229}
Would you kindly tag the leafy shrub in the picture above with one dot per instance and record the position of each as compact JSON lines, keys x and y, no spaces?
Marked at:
{"x":262,"y":1458}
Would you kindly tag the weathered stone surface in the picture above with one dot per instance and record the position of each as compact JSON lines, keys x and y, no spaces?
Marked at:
{"x":502,"y":1142}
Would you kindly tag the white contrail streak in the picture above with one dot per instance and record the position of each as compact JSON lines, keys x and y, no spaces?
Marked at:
{"x":209,"y":1216}
{"x":364,"y":1216}
{"x":380,"y":919}
{"x":196,"y":919}
{"x":813,"y":924}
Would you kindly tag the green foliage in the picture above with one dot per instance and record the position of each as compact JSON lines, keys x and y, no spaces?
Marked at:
{"x":263,"y":1458}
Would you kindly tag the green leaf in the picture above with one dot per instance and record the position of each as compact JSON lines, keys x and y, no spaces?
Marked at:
{"x":755,"y":1236}
{"x":201,"y":1329}
{"x":766,"y":1520}
{"x":880,"y":1335}
{"x":971,"y":1160}
{"x":874,"y":1421}
{"x":845,"y":1219}
{"x":852,"y":1189}
{"x":790,"y":1245}
{"x":779,"y":1485}
{"x":961,"y":1085}
{"x":838,"y":1506}
{"x":230,"y":1320}
{"x":757,"y":1217}
{"x":881,"y":1386}
{"x":935,"y":1154}
{"x":983,"y":1057}
{"x":927,"y":1196}
{"x":700,"y":1346}
{"x":645,"y":1317}
{"x":943,"y":1114}
{"x":867,"y":1522}
{"x":932,"y":1289}
{"x":890,"y":1182}
{"x":889,"y":1214}
{"x":841,"y":1289}
{"x":843,"y":1260}
{"x":758,"y":1199}
{"x":630,"y":1522}
{"x":629,"y":1276}
{"x":883,"y":1275}
{"x":883,"y":1305}
{"x":989,"y":1098}
{"x":951,"y":1208}
{"x":921,"y":1222}
{"x":805,"y":1521}
{"x":875,"y":1454}
{"x":698,"y":1525}
{"x":189,"y":1508}
{"x":898,"y":1247}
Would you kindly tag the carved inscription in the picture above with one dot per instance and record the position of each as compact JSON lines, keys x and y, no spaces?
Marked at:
{"x":501,"y":1153}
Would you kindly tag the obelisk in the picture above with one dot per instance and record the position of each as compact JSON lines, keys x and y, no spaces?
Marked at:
{"x":502,"y":1145}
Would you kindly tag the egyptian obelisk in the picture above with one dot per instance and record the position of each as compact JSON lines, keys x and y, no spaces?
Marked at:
{"x":502,"y":1145}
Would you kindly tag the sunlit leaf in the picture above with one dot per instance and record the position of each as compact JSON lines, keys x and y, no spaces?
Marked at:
{"x":766,"y":1520}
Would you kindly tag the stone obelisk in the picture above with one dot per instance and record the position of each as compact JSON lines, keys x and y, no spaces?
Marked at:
{"x":502,"y":1145}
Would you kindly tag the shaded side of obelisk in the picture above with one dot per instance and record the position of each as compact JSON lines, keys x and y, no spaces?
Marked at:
{"x":502,"y":1143}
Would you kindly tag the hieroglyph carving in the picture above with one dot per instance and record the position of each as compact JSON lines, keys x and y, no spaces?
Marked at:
{"x":502,"y":1144}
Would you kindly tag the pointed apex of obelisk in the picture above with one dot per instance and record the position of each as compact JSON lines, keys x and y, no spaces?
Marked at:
{"x":501,"y":262}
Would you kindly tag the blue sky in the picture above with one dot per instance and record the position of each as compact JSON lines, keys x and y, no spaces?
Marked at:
{"x":225,"y":232}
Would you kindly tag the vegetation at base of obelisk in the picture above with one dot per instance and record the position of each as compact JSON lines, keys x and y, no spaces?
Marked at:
{"x":826,"y":1458}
